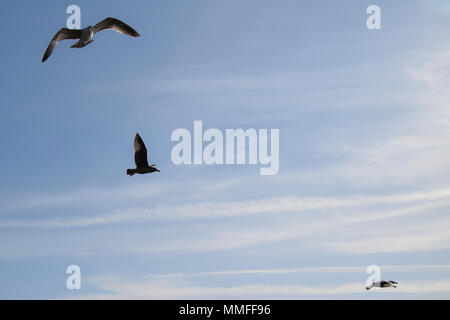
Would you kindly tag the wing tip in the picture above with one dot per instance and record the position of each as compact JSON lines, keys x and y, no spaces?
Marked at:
{"x":137,"y":137}
{"x":131,"y":32}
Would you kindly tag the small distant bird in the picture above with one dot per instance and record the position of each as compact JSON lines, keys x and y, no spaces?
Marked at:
{"x":85,"y":35}
{"x":383,"y":284}
{"x":140,"y":157}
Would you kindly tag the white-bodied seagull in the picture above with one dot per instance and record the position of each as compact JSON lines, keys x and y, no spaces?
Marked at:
{"x":383,"y":284}
{"x":140,"y":157}
{"x":85,"y":35}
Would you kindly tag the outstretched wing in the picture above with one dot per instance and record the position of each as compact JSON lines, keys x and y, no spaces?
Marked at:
{"x":62,"y":34}
{"x":115,"y":24}
{"x":140,"y":152}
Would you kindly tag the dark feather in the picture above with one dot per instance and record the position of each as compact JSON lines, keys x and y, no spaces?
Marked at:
{"x":62,"y":34}
{"x":117,"y":25}
{"x":140,"y":152}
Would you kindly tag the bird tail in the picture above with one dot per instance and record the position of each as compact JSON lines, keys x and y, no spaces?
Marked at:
{"x":77,"y":44}
{"x":80,"y":44}
{"x":130,"y":172}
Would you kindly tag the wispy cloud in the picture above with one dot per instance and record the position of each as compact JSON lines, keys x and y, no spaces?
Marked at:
{"x":85,"y":196}
{"x":177,"y":286}
{"x":410,"y":147}
{"x":209,"y":210}
{"x":319,"y":270}
{"x":152,"y":290}
{"x":427,"y":236}
{"x":121,"y":195}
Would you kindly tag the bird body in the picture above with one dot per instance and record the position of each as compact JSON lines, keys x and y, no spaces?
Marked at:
{"x":150,"y":169}
{"x":383,"y":284}
{"x":85,"y":38}
{"x":140,"y":158}
{"x":85,"y":35}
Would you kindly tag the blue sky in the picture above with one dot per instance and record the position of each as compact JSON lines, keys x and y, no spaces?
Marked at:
{"x":364,"y":151}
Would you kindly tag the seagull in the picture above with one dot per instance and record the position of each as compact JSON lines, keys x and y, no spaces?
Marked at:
{"x":383,"y":284}
{"x":85,"y":35}
{"x":140,"y":157}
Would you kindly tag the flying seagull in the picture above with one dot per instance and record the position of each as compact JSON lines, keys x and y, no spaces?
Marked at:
{"x":140,"y":157}
{"x":85,"y":35}
{"x":383,"y":284}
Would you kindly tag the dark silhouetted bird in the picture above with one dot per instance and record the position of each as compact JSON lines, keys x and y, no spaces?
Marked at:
{"x":85,"y":35}
{"x":383,"y":284}
{"x":140,"y":157}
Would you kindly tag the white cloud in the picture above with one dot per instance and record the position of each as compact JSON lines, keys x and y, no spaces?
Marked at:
{"x":84,"y":196}
{"x":319,"y":270}
{"x":426,"y":236}
{"x":357,"y":224}
{"x":151,"y":290}
{"x":412,"y":147}
{"x":156,"y":287}
{"x":209,"y":210}
{"x":123,"y":194}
